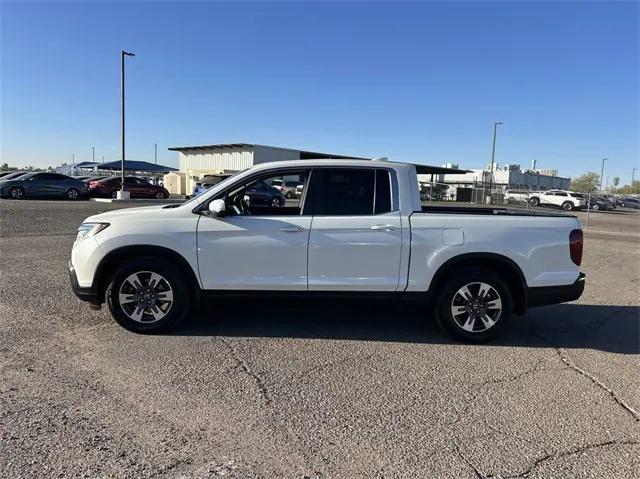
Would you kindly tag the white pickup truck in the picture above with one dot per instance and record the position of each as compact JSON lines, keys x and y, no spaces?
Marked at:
{"x":359,"y":227}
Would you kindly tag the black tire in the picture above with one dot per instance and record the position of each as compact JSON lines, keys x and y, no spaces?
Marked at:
{"x":114,"y":194}
{"x":178,"y":285}
{"x":289,"y":195}
{"x":535,"y":201}
{"x":567,"y":206}
{"x":73,"y":194}
{"x":595,"y":207}
{"x":449,"y":293}
{"x":16,"y":193}
{"x":160,"y":195}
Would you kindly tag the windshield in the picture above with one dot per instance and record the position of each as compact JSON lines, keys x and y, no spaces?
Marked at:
{"x":23,"y":176}
{"x":193,"y":199}
{"x":13,"y":176}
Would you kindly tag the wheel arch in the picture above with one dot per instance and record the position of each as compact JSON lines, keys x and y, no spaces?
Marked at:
{"x":113,"y":259}
{"x":500,"y":264}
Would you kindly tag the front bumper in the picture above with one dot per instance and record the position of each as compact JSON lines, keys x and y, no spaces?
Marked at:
{"x":89,"y":294}
{"x":555,"y":294}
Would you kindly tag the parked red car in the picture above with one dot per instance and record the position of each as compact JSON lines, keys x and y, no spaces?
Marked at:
{"x":137,"y":188}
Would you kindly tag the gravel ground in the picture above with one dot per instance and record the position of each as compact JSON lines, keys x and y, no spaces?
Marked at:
{"x":312,"y":389}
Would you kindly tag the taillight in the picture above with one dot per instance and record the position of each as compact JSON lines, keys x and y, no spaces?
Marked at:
{"x":575,"y":246}
{"x":93,"y":184}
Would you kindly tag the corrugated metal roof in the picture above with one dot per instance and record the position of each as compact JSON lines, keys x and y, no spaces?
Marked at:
{"x":438,"y":170}
{"x":304,"y":154}
{"x":132,"y":165}
{"x":212,"y":147}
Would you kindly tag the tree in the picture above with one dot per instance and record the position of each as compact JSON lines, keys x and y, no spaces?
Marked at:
{"x":616,"y":182}
{"x":587,"y":183}
{"x":634,"y":188}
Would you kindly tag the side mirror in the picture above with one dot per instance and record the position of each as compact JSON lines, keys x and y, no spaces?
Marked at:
{"x":217,"y":208}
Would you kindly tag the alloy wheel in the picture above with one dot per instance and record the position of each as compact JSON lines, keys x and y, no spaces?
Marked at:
{"x":145,"y":297}
{"x":476,"y":307}
{"x":72,"y":194}
{"x":16,"y":193}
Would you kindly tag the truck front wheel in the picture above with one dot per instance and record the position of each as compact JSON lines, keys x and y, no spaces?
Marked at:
{"x":474,"y":304}
{"x":148,"y":295}
{"x":567,"y":206}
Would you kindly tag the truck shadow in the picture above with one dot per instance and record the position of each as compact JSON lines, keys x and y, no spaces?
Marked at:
{"x":613,"y":329}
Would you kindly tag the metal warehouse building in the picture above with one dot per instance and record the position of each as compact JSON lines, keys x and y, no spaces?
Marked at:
{"x":197,"y":161}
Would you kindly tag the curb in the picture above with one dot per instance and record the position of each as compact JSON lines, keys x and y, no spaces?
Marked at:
{"x":611,"y":234}
{"x":150,"y":201}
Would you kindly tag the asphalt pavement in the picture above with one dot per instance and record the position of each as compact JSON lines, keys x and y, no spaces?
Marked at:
{"x":344,"y":389}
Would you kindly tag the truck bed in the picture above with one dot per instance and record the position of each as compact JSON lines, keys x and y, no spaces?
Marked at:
{"x":488,"y":210}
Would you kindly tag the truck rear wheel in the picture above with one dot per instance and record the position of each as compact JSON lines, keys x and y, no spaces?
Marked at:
{"x":474,"y":304}
{"x":148,"y":295}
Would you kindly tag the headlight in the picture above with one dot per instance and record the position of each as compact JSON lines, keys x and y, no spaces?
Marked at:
{"x":89,"y":229}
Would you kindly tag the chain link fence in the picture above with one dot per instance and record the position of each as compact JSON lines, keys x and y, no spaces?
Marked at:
{"x":473,"y":194}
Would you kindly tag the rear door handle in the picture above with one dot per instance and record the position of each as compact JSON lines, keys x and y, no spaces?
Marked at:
{"x":383,"y":227}
{"x":291,"y":229}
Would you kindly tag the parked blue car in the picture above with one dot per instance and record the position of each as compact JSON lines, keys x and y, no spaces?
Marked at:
{"x":631,"y":203}
{"x":43,"y":185}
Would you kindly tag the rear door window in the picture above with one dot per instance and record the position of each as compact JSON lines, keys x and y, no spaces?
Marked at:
{"x":341,"y":192}
{"x":383,"y":192}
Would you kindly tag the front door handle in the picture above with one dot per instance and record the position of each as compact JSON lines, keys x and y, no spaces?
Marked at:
{"x":383,"y":227}
{"x":291,"y":229}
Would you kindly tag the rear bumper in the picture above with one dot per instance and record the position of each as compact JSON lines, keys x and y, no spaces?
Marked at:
{"x":555,"y":294}
{"x":89,"y":294}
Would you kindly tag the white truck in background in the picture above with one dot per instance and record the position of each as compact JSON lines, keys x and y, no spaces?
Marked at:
{"x":359,"y":227}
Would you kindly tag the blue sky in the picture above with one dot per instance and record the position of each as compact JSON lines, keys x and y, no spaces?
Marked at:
{"x":420,"y":82}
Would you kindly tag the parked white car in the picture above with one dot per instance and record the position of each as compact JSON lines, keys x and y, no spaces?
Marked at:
{"x":567,"y":200}
{"x":516,"y":196}
{"x":359,"y":228}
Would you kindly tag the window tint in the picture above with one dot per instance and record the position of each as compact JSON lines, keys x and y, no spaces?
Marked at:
{"x":383,"y":192}
{"x":561,"y":193}
{"x":341,"y":191}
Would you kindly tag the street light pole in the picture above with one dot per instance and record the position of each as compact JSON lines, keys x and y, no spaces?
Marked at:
{"x":122,"y":55}
{"x":155,"y":153}
{"x":493,"y":153}
{"x":633,"y":176}
{"x":93,"y":154}
{"x":602,"y":173}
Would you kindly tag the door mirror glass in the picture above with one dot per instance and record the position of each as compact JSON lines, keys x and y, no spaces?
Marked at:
{"x":217,"y":207}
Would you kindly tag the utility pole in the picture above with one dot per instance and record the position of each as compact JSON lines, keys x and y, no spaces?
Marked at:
{"x":155,"y":153}
{"x":93,"y":154}
{"x":602,"y":173}
{"x":122,"y":55}
{"x":633,"y":176}
{"x":493,"y":153}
